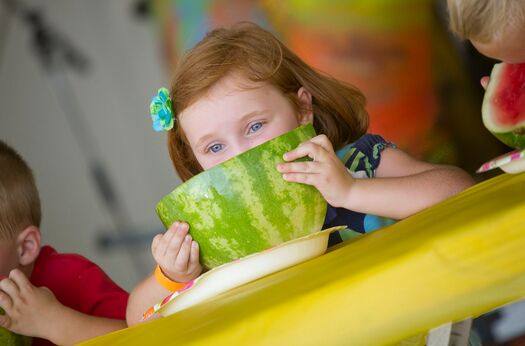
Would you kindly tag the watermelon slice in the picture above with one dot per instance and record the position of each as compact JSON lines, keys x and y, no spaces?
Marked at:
{"x":504,"y":104}
{"x":243,"y":205}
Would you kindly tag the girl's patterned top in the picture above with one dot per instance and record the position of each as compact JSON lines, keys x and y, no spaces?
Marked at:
{"x":361,"y":158}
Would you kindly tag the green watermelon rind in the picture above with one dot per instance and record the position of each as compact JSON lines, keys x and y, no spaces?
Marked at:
{"x":513,"y":136}
{"x":512,"y":139}
{"x":269,"y":223}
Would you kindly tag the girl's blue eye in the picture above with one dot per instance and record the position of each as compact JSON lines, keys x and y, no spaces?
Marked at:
{"x":255,"y":127}
{"x":216,"y":148}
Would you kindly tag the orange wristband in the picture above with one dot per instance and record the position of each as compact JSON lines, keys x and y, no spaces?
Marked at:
{"x":166,"y":282}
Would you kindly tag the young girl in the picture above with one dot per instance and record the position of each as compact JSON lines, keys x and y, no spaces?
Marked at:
{"x":240,"y":87}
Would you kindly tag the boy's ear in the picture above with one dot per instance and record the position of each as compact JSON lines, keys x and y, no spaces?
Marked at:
{"x":28,"y":245}
{"x":306,"y":114}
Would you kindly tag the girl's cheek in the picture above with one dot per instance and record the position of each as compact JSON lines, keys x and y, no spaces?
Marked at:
{"x":203,"y":161}
{"x":208,"y":162}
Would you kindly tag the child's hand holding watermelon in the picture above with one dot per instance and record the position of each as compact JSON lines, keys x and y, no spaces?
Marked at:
{"x":326,"y":172}
{"x":177,"y":257}
{"x":177,"y":254}
{"x":29,"y":309}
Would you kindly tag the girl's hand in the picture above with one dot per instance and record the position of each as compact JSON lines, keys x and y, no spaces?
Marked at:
{"x":29,"y":310}
{"x":326,"y":172}
{"x":177,"y":254}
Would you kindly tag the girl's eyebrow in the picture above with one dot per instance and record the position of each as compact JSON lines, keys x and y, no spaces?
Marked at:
{"x":204,"y":139}
{"x":252,"y":114}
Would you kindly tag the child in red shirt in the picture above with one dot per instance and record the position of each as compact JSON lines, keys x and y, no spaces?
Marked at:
{"x":67,"y":299}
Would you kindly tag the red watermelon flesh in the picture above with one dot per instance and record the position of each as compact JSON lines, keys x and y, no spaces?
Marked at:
{"x":504,"y":104}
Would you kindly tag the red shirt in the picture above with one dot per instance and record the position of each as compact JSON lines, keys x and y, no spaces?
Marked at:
{"x":79,"y":284}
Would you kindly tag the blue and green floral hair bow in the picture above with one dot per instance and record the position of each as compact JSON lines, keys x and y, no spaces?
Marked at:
{"x":161,"y":110}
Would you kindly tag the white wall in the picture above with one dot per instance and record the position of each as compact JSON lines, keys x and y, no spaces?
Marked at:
{"x":114,"y":96}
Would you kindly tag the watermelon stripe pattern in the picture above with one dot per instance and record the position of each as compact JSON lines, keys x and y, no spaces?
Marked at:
{"x":243,"y":205}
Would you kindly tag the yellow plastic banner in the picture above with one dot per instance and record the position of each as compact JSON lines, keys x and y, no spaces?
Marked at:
{"x":460,"y":258}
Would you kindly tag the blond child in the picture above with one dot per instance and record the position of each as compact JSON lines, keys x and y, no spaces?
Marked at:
{"x":52,"y":297}
{"x":240,"y":87}
{"x":496,"y":28}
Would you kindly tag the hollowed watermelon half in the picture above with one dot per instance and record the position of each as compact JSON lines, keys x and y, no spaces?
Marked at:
{"x":504,"y":104}
{"x":243,"y":205}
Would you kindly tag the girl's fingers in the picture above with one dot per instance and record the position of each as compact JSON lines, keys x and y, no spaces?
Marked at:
{"x":176,"y":242}
{"x":300,"y":167}
{"x":181,"y":262}
{"x":193,"y":264}
{"x":310,"y":149}
{"x":155,"y":243}
{"x":323,"y":141}
{"x":304,"y":178}
{"x":164,"y":241}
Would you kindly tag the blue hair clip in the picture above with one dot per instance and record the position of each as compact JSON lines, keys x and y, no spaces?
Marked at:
{"x":161,"y":110}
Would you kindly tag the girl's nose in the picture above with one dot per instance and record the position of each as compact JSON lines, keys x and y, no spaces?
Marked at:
{"x":240,"y":147}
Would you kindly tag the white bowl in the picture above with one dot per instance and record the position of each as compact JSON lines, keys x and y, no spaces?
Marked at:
{"x":230,"y":275}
